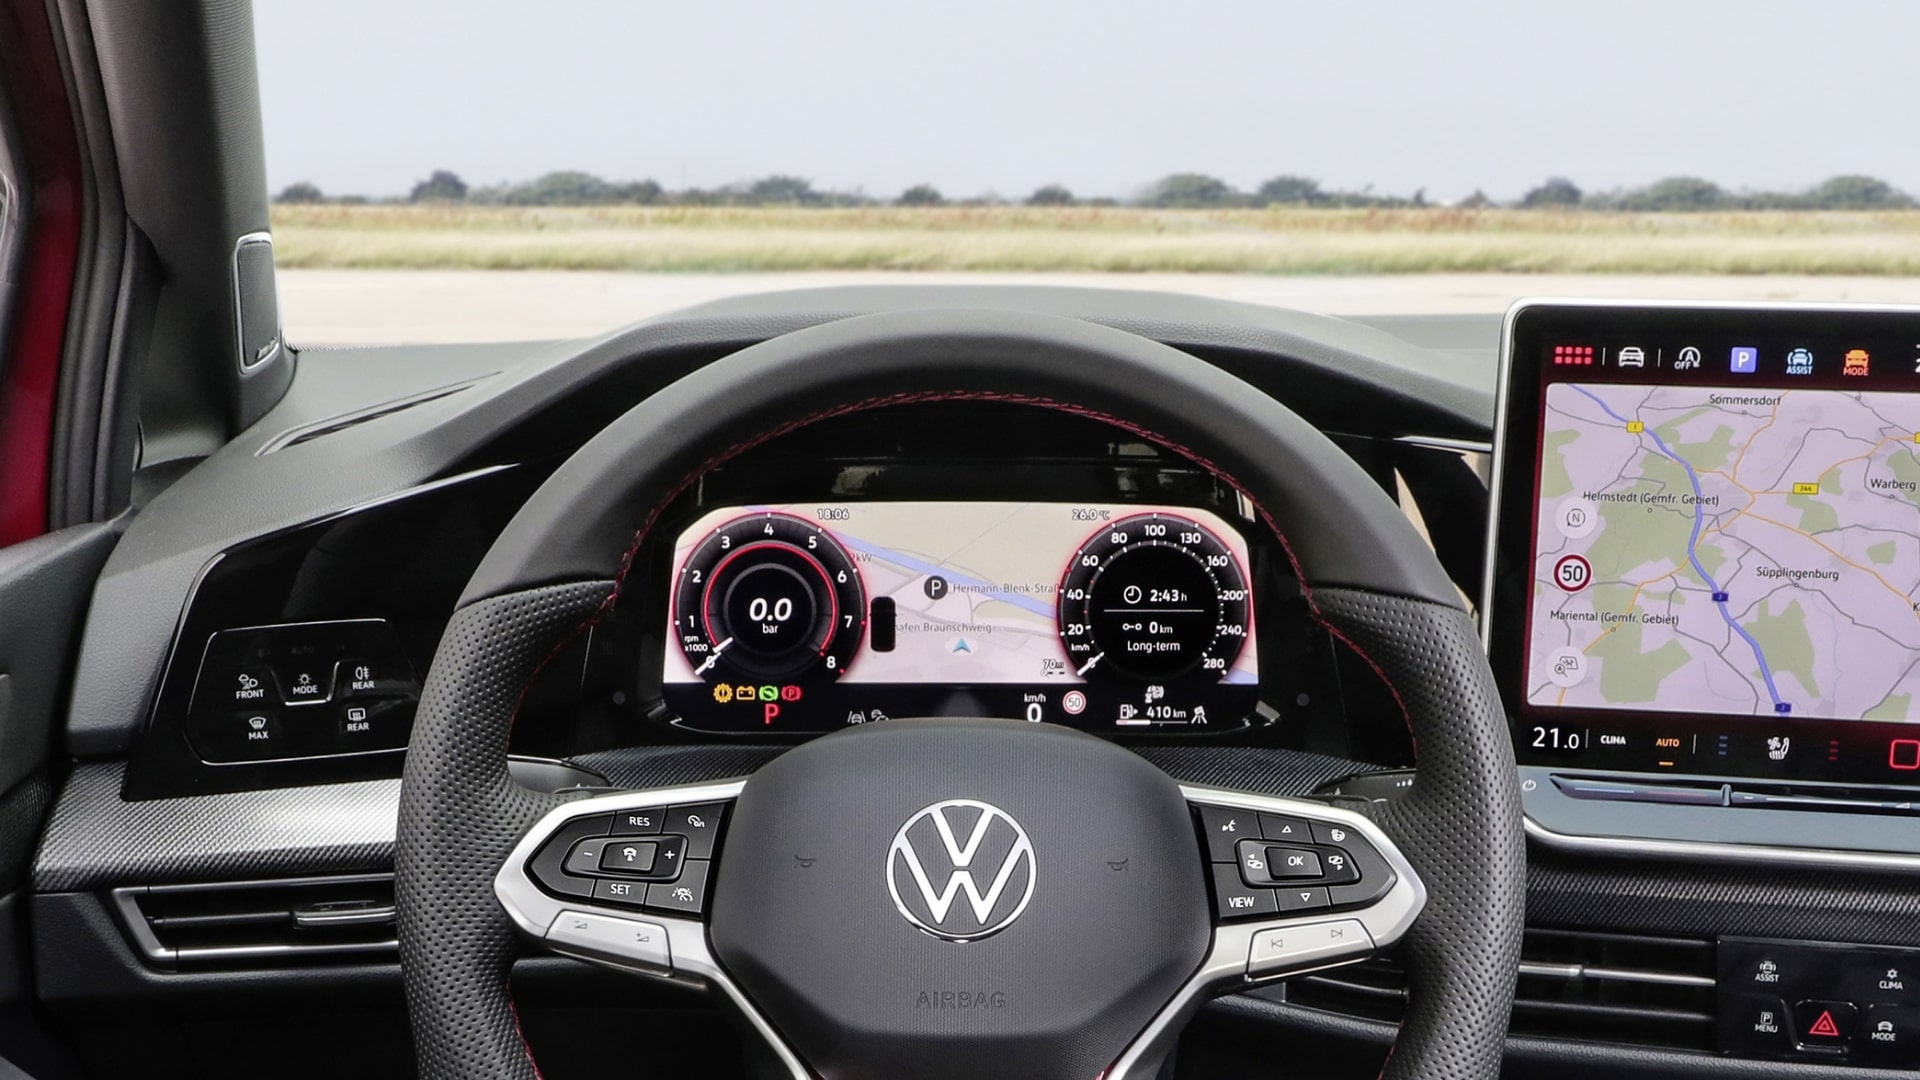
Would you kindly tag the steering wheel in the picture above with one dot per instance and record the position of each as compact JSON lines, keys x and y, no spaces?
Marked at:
{"x":953,"y":897}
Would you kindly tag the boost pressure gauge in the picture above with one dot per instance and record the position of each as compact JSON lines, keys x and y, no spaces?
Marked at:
{"x":769,"y":598}
{"x":1156,"y":598}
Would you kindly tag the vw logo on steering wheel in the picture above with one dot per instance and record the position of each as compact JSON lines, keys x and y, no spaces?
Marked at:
{"x":961,"y":846}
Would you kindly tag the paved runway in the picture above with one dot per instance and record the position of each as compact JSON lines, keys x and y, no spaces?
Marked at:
{"x":347,"y":307}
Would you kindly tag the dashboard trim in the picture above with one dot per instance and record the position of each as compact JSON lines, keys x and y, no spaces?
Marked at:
{"x":1656,"y":847}
{"x":1716,"y":851}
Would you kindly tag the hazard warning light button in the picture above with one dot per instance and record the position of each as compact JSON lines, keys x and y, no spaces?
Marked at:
{"x":1824,"y":1025}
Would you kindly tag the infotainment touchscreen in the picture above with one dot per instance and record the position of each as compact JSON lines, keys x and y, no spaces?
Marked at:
{"x":1707,"y":540}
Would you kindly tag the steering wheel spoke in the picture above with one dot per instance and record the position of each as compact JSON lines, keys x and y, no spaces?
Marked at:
{"x":624,"y":881}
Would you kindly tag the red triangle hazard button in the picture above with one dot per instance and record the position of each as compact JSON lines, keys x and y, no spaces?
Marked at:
{"x":1825,"y":1023}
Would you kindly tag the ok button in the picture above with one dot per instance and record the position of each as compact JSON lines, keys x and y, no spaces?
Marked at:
{"x":1288,"y":863}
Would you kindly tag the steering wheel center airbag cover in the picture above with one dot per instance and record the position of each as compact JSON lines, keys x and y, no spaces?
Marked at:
{"x":960,"y":898}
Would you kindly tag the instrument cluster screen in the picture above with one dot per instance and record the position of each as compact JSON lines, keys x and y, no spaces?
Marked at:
{"x":1107,"y":617}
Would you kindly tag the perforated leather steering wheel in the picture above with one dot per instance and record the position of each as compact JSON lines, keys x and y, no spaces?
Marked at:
{"x":823,"y":896}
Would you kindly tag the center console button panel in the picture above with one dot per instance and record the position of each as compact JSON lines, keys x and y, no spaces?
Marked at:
{"x":1800,"y":1001}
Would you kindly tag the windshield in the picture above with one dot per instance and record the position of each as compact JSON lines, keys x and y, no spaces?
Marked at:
{"x":607,"y":161}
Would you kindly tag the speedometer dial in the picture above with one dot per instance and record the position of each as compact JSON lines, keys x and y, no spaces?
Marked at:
{"x":1154,"y":597}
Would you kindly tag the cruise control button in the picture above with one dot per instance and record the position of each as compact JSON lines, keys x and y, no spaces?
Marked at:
{"x":1298,"y":899}
{"x":1755,"y":1023}
{"x":1824,"y":1025}
{"x":546,"y":866}
{"x":636,"y":858}
{"x":1224,"y":827}
{"x":584,"y":859}
{"x":643,"y":822}
{"x":699,"y":824}
{"x":1286,"y":863}
{"x":1312,"y":945}
{"x":1233,"y":898}
{"x":609,"y":937}
{"x":619,"y":893}
{"x":687,"y":895}
{"x":1281,"y":827}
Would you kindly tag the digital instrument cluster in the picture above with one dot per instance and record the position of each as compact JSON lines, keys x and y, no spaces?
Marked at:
{"x":809,"y":617}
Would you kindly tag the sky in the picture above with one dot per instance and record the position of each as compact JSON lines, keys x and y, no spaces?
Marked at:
{"x":1104,"y":96}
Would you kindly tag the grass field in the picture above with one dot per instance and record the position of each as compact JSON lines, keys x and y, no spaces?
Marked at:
{"x":1094,"y":239}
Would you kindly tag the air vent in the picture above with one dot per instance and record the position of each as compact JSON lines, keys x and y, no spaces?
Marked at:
{"x":321,"y":428}
{"x":261,"y":923}
{"x":1623,"y":989}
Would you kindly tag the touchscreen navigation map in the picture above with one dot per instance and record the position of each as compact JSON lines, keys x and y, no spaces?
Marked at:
{"x":1727,"y":549}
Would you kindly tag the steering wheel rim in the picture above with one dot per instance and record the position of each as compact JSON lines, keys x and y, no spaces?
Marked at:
{"x":563,"y":561}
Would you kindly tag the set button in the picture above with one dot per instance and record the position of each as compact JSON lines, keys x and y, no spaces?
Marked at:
{"x":657,"y":858}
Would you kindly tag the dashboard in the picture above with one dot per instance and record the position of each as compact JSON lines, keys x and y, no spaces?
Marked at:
{"x":970,"y":559}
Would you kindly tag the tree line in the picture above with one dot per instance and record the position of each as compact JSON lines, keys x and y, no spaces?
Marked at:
{"x":1178,"y":190}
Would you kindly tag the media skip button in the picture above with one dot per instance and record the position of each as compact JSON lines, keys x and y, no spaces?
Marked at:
{"x":1313,"y":945}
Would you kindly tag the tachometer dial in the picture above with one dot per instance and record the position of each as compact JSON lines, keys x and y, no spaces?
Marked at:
{"x":769,"y":598}
{"x":1154,"y":597}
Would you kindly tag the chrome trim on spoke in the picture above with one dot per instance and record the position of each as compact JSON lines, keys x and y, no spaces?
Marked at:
{"x":1225,"y":967}
{"x":533,"y":911}
{"x":1385,"y":920}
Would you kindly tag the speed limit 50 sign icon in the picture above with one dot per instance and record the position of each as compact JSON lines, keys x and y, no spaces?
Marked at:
{"x":1572,"y":573}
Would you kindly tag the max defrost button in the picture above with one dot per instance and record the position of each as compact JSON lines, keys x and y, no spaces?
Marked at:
{"x":1307,"y":946}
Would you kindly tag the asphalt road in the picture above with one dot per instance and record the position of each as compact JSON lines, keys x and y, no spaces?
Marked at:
{"x":351,"y":307}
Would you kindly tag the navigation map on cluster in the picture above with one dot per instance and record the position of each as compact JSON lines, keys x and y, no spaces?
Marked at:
{"x":1728,"y":550}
